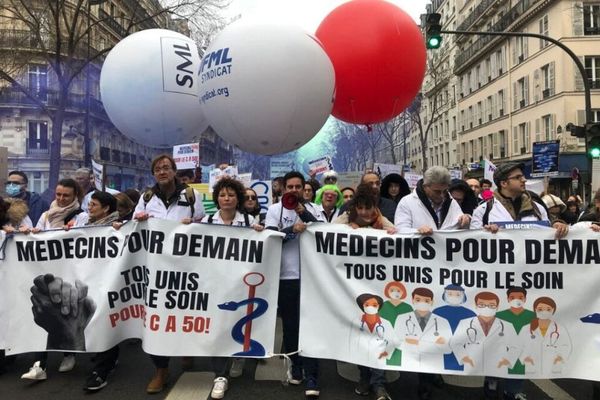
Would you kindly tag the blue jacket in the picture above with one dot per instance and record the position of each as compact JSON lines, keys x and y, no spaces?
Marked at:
{"x":37,"y":206}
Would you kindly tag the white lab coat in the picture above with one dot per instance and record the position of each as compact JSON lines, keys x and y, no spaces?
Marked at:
{"x":485,"y":351}
{"x":412,"y":214}
{"x":366,"y":346}
{"x":427,"y":353}
{"x":544,"y":349}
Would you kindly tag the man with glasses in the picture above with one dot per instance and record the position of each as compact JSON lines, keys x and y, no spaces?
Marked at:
{"x":16,"y":187}
{"x":511,"y":202}
{"x":168,"y":199}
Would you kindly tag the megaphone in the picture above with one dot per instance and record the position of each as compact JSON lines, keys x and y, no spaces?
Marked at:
{"x":290,"y":200}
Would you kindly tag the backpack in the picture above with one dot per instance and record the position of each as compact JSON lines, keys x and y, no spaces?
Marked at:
{"x":190,"y":197}
{"x":490,"y":203}
{"x":246,"y":219}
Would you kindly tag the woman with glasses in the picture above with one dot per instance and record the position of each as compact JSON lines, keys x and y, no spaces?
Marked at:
{"x":252,"y":207}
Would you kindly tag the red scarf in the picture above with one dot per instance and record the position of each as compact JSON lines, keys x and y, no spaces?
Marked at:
{"x":371,"y":326}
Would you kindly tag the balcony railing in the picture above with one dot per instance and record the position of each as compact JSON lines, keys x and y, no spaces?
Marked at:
{"x":476,"y":48}
{"x":13,"y":97}
{"x":112,"y":23}
{"x":23,"y":39}
{"x":36,"y":149}
{"x":481,"y":8}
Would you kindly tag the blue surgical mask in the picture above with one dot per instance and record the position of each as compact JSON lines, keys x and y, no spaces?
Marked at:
{"x":12,"y":189}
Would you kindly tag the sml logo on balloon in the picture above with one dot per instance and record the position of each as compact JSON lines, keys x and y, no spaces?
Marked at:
{"x":216,"y":63}
{"x":179,"y":59}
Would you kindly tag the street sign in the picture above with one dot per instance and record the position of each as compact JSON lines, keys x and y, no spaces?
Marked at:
{"x":545,"y":158}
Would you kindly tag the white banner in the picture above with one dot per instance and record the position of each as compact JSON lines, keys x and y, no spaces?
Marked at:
{"x":441,"y":303}
{"x":195,"y":290}
{"x":412,"y":179}
{"x":320,"y":165}
{"x":217,"y":173}
{"x":98,"y":171}
{"x":187,"y":156}
{"x":385,"y":169}
{"x":264,"y":193}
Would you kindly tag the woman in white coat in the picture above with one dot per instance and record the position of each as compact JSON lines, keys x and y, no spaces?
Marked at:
{"x":546,"y":343}
{"x":371,"y":338}
{"x":484,"y":344}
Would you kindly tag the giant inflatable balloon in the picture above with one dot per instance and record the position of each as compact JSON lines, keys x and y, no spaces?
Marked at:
{"x":149,"y":88}
{"x":266,"y":88}
{"x":379,"y":57}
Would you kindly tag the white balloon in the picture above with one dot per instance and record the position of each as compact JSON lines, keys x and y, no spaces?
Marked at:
{"x":266,"y":88}
{"x":149,"y":88}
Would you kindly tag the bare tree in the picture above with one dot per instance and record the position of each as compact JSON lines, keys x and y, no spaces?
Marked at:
{"x":58,"y":33}
{"x":426,"y":108}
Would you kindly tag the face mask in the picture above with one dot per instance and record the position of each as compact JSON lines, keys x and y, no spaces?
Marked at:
{"x":396,"y":295}
{"x":371,"y":310}
{"x":487,"y":312}
{"x":454,"y":300}
{"x":12,"y":190}
{"x":516,"y":303}
{"x":544,"y":314}
{"x":422,"y":306}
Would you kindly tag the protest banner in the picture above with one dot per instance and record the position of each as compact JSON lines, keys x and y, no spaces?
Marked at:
{"x":207,"y":200}
{"x":320,"y":165}
{"x":187,"y":156}
{"x":281,"y":165}
{"x":264,"y":192}
{"x":385,"y":169}
{"x":98,"y":170}
{"x":217,"y":173}
{"x":440,"y":303}
{"x":412,"y":179}
{"x":195,"y":290}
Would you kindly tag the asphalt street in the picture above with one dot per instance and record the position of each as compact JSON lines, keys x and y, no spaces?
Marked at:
{"x":261,"y":380}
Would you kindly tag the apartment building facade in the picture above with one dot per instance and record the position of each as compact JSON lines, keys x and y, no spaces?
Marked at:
{"x":511,"y":92}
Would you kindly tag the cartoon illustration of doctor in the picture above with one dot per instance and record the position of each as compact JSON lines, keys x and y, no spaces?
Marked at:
{"x":485,"y":344}
{"x":546,"y":343}
{"x":454,"y":312}
{"x":423,"y":336}
{"x":396,"y":293}
{"x":371,"y":337}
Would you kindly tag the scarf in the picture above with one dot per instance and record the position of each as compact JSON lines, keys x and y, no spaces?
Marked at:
{"x":56,"y":215}
{"x":108,"y":219}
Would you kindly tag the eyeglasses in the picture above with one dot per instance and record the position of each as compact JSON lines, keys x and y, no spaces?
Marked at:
{"x":250,"y":197}
{"x":490,"y":306}
{"x":163,"y":169}
{"x":517,"y":177}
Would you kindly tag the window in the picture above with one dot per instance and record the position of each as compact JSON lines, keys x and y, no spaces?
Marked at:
{"x":520,"y":50}
{"x":38,"y":81}
{"x":592,"y":67}
{"x":547,"y":127}
{"x":500,"y":103}
{"x":547,"y":80}
{"x":591,"y":19}
{"x":524,"y":138}
{"x":522,"y":92}
{"x":488,"y":108}
{"x":544,"y":31}
{"x":38,"y":135}
{"x":38,"y":181}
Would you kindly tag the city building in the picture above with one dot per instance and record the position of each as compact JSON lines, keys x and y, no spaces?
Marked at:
{"x":508,"y":92}
{"x":87,"y":131}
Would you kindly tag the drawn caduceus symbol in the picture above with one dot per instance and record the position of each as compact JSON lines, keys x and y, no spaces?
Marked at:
{"x":252,"y":279}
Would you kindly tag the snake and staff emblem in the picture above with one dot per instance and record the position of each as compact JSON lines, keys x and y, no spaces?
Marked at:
{"x":242,"y":330}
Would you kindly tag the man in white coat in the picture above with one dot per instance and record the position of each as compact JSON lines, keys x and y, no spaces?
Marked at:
{"x":423,"y":336}
{"x":485,"y":344}
{"x":430,"y":207}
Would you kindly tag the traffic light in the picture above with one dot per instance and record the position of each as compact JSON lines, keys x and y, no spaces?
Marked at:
{"x":433,"y":36}
{"x":593,"y":139}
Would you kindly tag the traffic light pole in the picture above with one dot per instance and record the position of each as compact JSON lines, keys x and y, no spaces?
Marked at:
{"x":586,"y":82}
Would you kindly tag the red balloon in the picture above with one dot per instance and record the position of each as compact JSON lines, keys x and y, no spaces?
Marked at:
{"x":379,"y":57}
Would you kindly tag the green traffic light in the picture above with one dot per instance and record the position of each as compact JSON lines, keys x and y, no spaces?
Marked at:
{"x":434,"y":42}
{"x":595,"y":152}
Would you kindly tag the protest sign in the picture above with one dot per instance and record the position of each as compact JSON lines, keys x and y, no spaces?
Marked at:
{"x":195,"y":290}
{"x":320,"y":165}
{"x":417,"y":302}
{"x":187,"y":156}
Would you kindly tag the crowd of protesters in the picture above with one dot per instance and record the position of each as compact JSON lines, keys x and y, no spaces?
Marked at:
{"x":437,"y":203}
